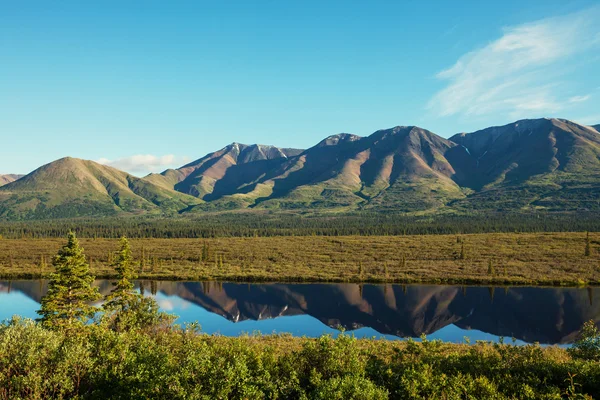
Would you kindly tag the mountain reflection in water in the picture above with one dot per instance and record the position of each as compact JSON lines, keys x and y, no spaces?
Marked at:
{"x":529,"y":314}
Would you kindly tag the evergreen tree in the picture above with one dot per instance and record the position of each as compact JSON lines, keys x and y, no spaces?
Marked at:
{"x":588,"y":248}
{"x":385,"y":270}
{"x":360,"y":270}
{"x":66,"y":305}
{"x":204,"y":252}
{"x":491,"y":269}
{"x":123,"y":294}
{"x":143,"y":261}
{"x":126,"y":309}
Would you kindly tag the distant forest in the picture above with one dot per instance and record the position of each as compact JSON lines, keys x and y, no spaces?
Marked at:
{"x":277,"y":224}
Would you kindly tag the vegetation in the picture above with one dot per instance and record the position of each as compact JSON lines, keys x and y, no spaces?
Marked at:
{"x":159,"y":360}
{"x":405,"y":170}
{"x":181,"y":363}
{"x":493,"y":258}
{"x":70,"y":289}
{"x":267,"y":224}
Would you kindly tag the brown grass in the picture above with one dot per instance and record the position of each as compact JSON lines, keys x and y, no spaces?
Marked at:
{"x":544,"y":259}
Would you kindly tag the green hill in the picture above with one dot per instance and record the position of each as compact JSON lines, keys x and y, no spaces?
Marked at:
{"x":71,"y":187}
{"x":550,"y":164}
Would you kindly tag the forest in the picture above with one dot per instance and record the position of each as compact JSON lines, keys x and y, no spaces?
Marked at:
{"x":267,"y":224}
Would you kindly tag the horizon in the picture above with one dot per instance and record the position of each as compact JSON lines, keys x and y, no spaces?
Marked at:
{"x":146,"y":86}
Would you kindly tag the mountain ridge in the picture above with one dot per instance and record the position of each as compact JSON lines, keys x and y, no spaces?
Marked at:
{"x":533,"y":164}
{"x":8,"y":178}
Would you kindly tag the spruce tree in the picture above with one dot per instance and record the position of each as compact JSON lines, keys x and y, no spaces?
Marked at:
{"x":124,"y":307}
{"x":121,"y":297}
{"x":491,"y":269}
{"x":66,"y":305}
{"x":588,"y":249}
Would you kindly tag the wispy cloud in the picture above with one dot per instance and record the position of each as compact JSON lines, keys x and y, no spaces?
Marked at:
{"x":519,"y":72}
{"x":579,"y":99}
{"x":145,"y":163}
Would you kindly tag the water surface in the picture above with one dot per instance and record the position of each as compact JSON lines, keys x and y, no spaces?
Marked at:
{"x":450,"y":313}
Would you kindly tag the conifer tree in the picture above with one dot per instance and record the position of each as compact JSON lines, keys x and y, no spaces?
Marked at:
{"x":124,"y":307}
{"x":385,"y":270}
{"x":588,"y":249}
{"x":66,"y":305}
{"x":491,"y":269}
{"x":123,"y":294}
{"x":360,"y":270}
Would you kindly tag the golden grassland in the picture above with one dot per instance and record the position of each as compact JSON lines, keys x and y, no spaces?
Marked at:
{"x":491,"y":258}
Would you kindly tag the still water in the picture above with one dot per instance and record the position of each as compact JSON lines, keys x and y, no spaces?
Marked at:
{"x":450,"y":313}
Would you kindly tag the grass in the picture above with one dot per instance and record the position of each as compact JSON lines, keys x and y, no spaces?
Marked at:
{"x":515,"y":259}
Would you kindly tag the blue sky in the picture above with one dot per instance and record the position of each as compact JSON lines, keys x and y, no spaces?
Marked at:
{"x":146,"y":85}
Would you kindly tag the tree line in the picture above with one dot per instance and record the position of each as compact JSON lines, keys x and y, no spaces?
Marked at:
{"x":277,"y":224}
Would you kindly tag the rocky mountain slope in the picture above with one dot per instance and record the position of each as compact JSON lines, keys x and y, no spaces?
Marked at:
{"x":8,"y":178}
{"x":542,"y":164}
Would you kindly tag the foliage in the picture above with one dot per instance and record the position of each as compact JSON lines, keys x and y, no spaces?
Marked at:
{"x":125,"y":308}
{"x":587,"y":346}
{"x":266,"y":224}
{"x":70,"y":289}
{"x":181,"y":363}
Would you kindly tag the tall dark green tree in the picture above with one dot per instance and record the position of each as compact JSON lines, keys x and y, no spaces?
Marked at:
{"x":122,"y":296}
{"x":124,"y":307}
{"x":588,"y":247}
{"x":70,"y":291}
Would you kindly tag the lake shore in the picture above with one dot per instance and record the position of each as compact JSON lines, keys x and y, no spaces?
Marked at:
{"x":545,"y":259}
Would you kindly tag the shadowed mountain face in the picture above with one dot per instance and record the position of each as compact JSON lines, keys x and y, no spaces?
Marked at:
{"x":596,"y":127}
{"x":545,"y":163}
{"x":546,"y":315}
{"x":8,"y":178}
{"x":541,"y":164}
{"x":224,"y":172}
{"x":404,"y":168}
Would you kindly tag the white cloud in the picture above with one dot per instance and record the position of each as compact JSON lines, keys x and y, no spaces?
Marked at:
{"x":519,"y":72}
{"x":579,"y":99}
{"x":145,"y":163}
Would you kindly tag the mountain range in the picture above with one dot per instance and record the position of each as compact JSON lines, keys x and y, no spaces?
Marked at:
{"x":541,"y":164}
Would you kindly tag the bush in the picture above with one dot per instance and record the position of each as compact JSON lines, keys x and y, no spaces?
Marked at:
{"x":587,"y":347}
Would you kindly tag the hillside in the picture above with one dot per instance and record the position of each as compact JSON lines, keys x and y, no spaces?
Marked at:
{"x":71,"y":187}
{"x":403,"y":168}
{"x":8,"y":178}
{"x":543,"y":164}
{"x":224,"y":172}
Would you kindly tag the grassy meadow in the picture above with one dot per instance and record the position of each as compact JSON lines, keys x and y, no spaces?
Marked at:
{"x":490,"y":258}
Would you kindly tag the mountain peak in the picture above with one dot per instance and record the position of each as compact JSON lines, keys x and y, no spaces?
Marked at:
{"x":337,"y":139}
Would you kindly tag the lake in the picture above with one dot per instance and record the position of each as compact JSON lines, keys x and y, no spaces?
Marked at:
{"x":450,"y":313}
